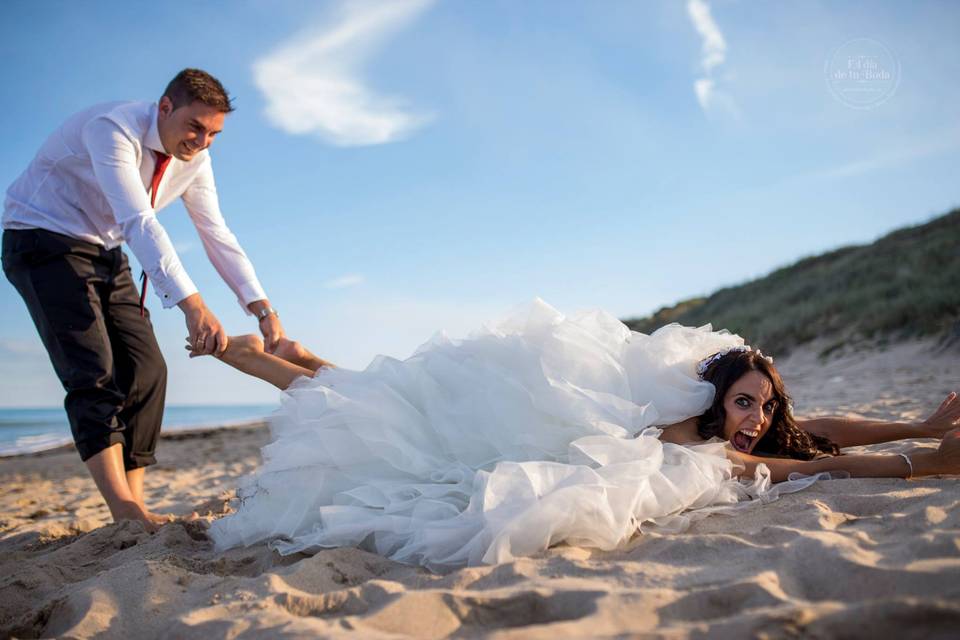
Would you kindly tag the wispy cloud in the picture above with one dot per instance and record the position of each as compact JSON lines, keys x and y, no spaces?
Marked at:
{"x":900,"y":156}
{"x":713,"y":55}
{"x":313,"y":82}
{"x":900,"y":153}
{"x":343,"y":282}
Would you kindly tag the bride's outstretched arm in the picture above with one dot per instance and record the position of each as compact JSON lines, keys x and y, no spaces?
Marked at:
{"x":246,"y":354}
{"x":944,"y":461}
{"x":848,"y":432}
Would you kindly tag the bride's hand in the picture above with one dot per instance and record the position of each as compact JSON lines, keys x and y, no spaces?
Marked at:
{"x":945,"y":418}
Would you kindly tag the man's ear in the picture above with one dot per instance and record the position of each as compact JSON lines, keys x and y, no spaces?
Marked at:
{"x":166,"y":107}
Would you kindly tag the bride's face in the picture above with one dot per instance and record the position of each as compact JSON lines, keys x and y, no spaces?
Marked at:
{"x":749,"y":404}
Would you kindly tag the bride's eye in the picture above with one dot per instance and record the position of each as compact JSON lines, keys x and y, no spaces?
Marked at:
{"x":742,"y":402}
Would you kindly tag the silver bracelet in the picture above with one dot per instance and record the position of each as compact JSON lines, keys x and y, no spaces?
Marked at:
{"x":266,"y":311}
{"x":909,"y":464}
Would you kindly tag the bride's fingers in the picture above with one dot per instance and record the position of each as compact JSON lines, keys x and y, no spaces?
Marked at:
{"x":946,"y":401}
{"x":950,"y":406}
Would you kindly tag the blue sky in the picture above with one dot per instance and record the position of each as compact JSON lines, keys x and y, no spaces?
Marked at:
{"x":398,"y":168}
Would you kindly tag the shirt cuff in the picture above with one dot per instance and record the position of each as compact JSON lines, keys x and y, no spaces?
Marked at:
{"x":248,"y":292}
{"x":174,"y":290}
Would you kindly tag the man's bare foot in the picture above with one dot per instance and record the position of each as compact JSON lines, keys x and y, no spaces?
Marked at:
{"x":133,"y":511}
{"x":160,"y":519}
{"x":196,"y":517}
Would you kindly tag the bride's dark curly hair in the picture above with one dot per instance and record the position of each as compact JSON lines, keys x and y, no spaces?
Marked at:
{"x":784,"y":438}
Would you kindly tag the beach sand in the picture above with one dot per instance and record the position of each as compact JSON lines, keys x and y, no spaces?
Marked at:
{"x":845,"y":558}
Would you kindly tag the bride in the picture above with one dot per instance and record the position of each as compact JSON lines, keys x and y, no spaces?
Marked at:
{"x":538,"y":430}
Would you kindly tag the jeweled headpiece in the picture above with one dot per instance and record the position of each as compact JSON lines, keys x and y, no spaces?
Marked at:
{"x":704,"y":364}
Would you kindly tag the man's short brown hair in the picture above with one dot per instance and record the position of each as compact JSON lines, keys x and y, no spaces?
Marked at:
{"x":194,"y":84}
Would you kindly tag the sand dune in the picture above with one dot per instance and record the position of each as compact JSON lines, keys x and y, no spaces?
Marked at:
{"x":845,"y":558}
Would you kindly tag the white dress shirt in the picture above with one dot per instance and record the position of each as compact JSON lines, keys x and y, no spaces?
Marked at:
{"x":91,"y":181}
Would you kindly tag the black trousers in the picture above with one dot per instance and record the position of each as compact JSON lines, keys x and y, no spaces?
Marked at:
{"x":85,"y":305}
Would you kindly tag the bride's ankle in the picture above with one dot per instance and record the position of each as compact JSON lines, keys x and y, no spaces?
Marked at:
{"x":292,"y":351}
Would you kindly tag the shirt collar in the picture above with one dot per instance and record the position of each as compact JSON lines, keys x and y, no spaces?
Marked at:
{"x":152,"y":140}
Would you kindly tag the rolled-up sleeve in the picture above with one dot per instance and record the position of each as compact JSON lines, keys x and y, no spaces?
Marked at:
{"x":221,"y":245}
{"x":116,"y":167}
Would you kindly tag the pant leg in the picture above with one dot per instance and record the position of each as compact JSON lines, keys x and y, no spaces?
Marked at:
{"x":61,"y":280}
{"x":141,"y":372}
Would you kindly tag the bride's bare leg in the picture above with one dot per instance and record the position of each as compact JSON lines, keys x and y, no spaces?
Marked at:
{"x":246,"y":354}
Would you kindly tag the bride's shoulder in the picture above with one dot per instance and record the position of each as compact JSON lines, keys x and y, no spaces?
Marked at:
{"x":682,"y":432}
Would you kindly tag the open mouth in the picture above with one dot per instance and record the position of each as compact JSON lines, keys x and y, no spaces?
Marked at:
{"x":742,"y":439}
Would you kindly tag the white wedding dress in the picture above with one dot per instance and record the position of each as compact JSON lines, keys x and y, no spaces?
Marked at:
{"x":535,"y":431}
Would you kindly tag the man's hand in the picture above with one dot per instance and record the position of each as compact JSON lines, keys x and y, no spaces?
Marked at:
{"x":207,"y":336}
{"x":270,"y":325}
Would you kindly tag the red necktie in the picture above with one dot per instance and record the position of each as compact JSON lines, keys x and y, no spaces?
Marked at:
{"x":162,"y":160}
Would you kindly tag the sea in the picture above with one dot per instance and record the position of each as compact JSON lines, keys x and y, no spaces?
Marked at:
{"x":33,"y":430}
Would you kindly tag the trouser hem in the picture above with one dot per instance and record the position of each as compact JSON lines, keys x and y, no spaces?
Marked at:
{"x":89,"y":448}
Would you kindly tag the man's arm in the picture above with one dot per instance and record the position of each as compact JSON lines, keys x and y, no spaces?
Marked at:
{"x":206,"y":334}
{"x":226,"y":254}
{"x":269,"y":321}
{"x":116,"y":167}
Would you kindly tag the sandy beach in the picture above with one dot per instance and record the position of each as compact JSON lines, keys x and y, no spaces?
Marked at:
{"x":844,"y":558}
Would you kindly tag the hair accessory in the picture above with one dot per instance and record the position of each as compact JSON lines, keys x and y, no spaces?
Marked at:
{"x":704,"y":364}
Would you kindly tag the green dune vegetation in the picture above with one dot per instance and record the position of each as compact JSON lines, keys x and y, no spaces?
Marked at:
{"x":904,"y":285}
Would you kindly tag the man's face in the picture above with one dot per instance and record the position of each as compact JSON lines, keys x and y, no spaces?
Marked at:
{"x":187,"y":131}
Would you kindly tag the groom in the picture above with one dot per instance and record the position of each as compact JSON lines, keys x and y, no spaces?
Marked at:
{"x":97,"y":181}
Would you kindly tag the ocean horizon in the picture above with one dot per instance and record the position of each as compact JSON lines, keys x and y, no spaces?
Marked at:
{"x":34,"y":429}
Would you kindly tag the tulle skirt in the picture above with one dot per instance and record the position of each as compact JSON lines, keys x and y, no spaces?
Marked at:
{"x":537,"y":430}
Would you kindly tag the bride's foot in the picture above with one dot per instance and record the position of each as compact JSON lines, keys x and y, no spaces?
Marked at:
{"x":293,"y":351}
{"x":240,"y":349}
